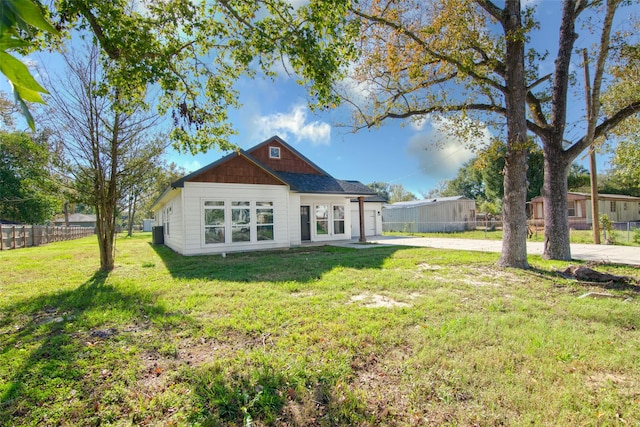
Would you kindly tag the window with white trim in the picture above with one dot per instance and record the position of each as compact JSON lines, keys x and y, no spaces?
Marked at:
{"x":322,"y":220}
{"x":338,"y":219}
{"x":214,"y":222}
{"x":572,"y":207}
{"x":612,"y":206}
{"x":168,"y":210}
{"x":274,"y":152}
{"x":264,"y":221}
{"x":240,"y":221}
{"x":329,"y":219}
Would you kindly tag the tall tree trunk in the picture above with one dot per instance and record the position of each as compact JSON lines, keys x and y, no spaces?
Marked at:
{"x":66,"y":214}
{"x":132,"y":212}
{"x":111,"y":198}
{"x":556,"y":207}
{"x":105,"y":239}
{"x":514,"y":240}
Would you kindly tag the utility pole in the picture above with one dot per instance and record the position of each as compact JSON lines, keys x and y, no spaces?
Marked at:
{"x":593,"y":173}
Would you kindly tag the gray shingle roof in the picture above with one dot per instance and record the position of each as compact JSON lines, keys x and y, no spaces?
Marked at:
{"x":310,"y":183}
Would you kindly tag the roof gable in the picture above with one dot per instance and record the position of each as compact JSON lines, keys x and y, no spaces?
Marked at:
{"x":290,"y":159}
{"x":255,"y":166}
{"x":236,"y":168}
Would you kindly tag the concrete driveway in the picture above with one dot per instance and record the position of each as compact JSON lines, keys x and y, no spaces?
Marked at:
{"x":597,"y":253}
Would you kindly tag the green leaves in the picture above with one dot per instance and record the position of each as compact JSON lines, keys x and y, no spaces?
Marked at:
{"x":18,"y":16}
{"x":18,"y":74}
{"x":22,"y":14}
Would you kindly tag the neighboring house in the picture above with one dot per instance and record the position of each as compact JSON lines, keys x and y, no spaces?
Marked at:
{"x":269,"y":196}
{"x":618,"y":208}
{"x":147,"y":224}
{"x":76,"y":220}
{"x":442,"y":214}
{"x":372,"y":216}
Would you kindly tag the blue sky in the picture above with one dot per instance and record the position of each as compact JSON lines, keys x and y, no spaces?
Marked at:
{"x":397,"y":153}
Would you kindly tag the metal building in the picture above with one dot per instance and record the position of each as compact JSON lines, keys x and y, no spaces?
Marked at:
{"x":440,"y":215}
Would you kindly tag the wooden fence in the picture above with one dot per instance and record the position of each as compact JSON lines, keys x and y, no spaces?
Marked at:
{"x":24,"y":236}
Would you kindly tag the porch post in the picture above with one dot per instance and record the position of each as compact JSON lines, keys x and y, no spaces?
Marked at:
{"x":361,"y":212}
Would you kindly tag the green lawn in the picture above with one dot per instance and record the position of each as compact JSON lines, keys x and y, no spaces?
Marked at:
{"x":317,"y":336}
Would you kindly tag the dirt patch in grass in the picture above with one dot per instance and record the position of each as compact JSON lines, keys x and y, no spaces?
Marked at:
{"x":302,"y":294}
{"x":376,"y":300}
{"x":477,"y":276}
{"x":624,"y":385}
{"x":428,"y":267}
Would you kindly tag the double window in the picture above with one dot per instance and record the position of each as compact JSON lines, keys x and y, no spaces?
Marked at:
{"x":329,"y":219}
{"x":237,"y":221}
{"x":214,"y":222}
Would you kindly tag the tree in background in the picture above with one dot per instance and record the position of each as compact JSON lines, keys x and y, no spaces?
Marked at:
{"x":481,"y":178}
{"x":397,"y":193}
{"x":106,"y":142}
{"x":7,"y":110}
{"x":392,"y":193}
{"x":381,"y":188}
{"x":468,"y":183}
{"x":626,"y":166}
{"x":160,"y":179}
{"x":29,"y":191}
{"x":578,"y":178}
{"x":140,"y":159}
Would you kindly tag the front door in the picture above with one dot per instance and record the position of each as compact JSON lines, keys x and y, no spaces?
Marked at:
{"x":305,"y":222}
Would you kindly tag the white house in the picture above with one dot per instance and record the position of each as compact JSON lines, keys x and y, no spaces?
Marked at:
{"x":442,"y":214}
{"x":269,"y":196}
{"x":372,"y":214}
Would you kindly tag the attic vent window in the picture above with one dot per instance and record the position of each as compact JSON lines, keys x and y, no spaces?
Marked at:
{"x":274,"y":152}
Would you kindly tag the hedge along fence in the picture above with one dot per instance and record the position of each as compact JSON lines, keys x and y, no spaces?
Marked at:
{"x":24,"y":236}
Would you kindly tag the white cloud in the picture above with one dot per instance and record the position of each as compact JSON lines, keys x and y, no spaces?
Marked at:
{"x":297,"y":3}
{"x":191,"y":166}
{"x":440,"y":154}
{"x":294,"y":125}
{"x":418,"y":123}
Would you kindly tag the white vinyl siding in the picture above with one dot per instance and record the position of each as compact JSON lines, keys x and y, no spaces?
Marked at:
{"x":171,"y":220}
{"x":330,"y":217}
{"x":372,"y":219}
{"x":246,"y":212}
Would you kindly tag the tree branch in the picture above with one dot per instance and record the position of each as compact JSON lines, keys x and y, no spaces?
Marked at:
{"x":435,"y":109}
{"x":410,"y":34}
{"x":603,"y":128}
{"x":492,"y":9}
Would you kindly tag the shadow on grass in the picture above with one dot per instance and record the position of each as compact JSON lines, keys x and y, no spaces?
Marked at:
{"x":58,"y":347}
{"x":274,"y":397}
{"x":47,"y":342}
{"x":302,"y":264}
